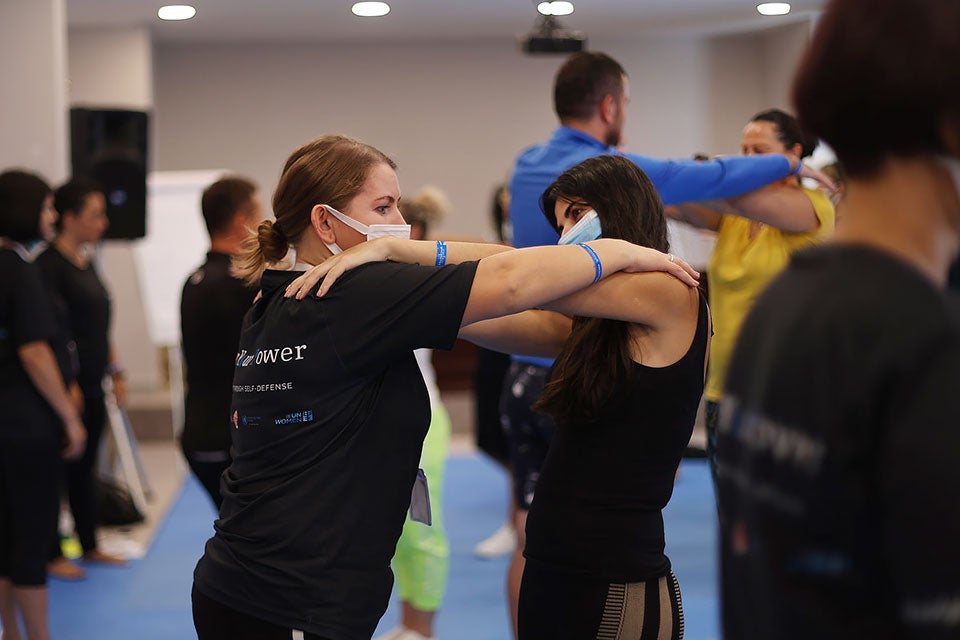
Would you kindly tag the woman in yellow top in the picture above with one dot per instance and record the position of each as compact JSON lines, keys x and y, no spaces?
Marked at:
{"x":756,"y":233}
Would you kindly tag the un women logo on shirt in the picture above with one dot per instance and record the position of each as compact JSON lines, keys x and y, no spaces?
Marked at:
{"x":270,"y":356}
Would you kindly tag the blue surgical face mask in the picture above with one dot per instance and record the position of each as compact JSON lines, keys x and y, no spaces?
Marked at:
{"x":586,"y":229}
{"x":370,"y":231}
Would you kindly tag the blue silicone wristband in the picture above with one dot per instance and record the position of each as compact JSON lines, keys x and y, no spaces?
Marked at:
{"x":597,"y":265}
{"x":441,"y":253}
{"x":799,"y":168}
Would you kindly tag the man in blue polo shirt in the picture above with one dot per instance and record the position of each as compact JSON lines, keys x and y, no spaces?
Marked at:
{"x":591,"y":93}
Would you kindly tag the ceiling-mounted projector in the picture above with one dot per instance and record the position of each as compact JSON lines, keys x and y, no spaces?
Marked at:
{"x":549,"y":36}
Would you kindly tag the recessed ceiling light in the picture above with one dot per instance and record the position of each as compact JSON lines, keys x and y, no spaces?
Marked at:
{"x":176,"y":12}
{"x":773,"y":8}
{"x":370,"y":9}
{"x":555,"y":8}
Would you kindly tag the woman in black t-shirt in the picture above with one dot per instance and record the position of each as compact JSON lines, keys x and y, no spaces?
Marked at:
{"x":624,"y":391}
{"x":329,"y":407}
{"x":74,"y":282}
{"x":37,"y":415}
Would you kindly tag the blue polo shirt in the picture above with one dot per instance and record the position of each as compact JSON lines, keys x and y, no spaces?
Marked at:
{"x":676,"y":181}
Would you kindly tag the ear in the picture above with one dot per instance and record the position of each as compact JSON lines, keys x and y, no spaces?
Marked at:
{"x":240,"y":224}
{"x":796,"y":149}
{"x":321,"y":221}
{"x":66,"y":218}
{"x":608,"y":109}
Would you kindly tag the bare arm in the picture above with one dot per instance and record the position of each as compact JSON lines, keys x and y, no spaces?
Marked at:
{"x":406,"y":251}
{"x":530,"y":333}
{"x":695,"y":214}
{"x":784,"y":207}
{"x":41,"y":367}
{"x":513,"y":281}
{"x":653,"y":299}
{"x":507,"y":280}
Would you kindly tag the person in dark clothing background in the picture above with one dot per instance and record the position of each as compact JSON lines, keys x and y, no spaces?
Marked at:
{"x":72,"y":279}
{"x":38,"y":414}
{"x":211,"y":313}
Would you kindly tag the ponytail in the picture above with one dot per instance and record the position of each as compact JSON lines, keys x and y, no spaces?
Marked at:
{"x":259,"y":250}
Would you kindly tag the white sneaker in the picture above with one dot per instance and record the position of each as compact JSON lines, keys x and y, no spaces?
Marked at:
{"x":393,"y":634}
{"x":400,"y":632}
{"x":502,"y":542}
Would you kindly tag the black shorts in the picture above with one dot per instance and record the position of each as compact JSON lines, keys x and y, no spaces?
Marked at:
{"x":30,"y":476}
{"x":529,"y":432}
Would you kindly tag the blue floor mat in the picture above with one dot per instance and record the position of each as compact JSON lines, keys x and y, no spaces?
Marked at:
{"x":151,"y":598}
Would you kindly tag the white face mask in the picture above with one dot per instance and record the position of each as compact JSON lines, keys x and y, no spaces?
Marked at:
{"x":370,"y":231}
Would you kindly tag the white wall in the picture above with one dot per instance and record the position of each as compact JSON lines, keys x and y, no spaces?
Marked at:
{"x":111,"y":68}
{"x":33,"y":111}
{"x":451,"y":115}
{"x":782,"y":49}
{"x":750,"y":72}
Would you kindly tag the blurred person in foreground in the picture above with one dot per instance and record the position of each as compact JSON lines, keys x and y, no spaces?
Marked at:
{"x":838,"y":440}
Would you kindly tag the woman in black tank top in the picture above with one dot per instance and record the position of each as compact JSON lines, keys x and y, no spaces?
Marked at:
{"x":624,"y":393}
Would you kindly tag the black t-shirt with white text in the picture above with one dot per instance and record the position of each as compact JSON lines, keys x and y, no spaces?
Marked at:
{"x":329,"y":415}
{"x":839,"y":455}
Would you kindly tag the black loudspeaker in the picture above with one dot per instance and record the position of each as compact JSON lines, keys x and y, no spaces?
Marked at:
{"x":110,"y":147}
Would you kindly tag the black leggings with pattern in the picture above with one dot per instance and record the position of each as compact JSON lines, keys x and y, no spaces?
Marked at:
{"x":563,"y":606}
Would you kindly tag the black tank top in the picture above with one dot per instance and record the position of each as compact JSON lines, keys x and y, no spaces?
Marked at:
{"x":599,"y":497}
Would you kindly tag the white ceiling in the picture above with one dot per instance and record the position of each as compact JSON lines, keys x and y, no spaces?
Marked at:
{"x":331,"y":20}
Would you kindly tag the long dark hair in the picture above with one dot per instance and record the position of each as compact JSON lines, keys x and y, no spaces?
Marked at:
{"x":597,"y":357}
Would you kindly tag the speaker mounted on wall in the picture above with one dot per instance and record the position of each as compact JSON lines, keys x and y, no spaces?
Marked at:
{"x":110,"y":147}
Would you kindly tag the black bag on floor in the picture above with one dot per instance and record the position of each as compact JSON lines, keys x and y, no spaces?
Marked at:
{"x":115,"y":505}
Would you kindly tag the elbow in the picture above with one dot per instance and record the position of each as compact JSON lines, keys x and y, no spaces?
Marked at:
{"x":511,"y":291}
{"x":497,"y":291}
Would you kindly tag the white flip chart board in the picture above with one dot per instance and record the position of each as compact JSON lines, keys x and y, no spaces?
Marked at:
{"x":175,"y":245}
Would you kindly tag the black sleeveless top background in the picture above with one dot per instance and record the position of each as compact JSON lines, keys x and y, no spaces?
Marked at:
{"x":597,"y":509}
